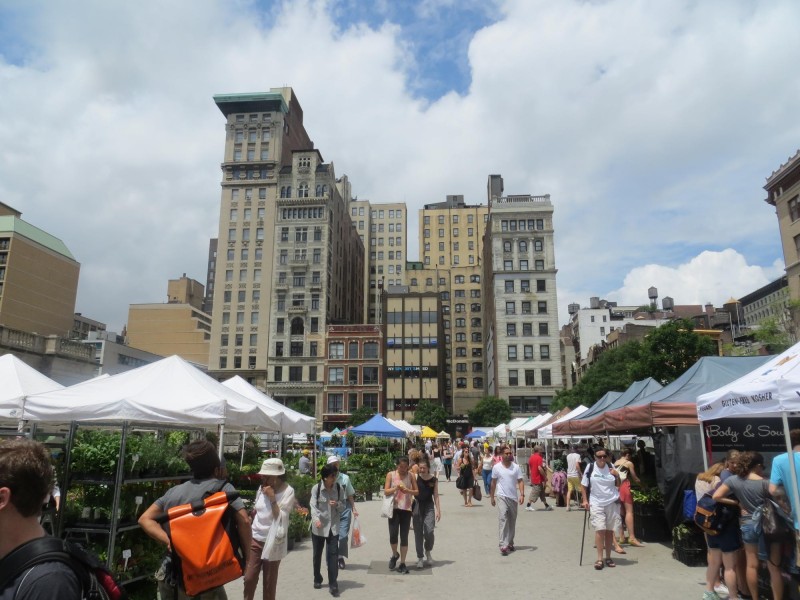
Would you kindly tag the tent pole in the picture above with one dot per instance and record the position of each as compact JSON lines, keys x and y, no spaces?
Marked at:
{"x":241,"y":460}
{"x":792,"y":472}
{"x":221,"y":438}
{"x":703,"y":444}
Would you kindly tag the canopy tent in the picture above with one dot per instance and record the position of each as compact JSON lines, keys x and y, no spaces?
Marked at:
{"x":336,"y":431}
{"x":427,"y":432}
{"x":676,"y":403}
{"x":548,"y":431}
{"x":510,"y":427}
{"x":772,"y":389}
{"x":413,"y":430}
{"x":378,"y":426}
{"x":601,"y":405}
{"x":442,"y":435}
{"x":18,"y":380}
{"x":324,"y":435}
{"x":290,"y":421}
{"x":167,"y":392}
{"x":478,"y":433}
{"x":533,"y":424}
{"x":597,"y":424}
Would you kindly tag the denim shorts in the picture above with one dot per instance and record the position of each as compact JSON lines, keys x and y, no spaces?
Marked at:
{"x":751,"y":536}
{"x":727,"y":540}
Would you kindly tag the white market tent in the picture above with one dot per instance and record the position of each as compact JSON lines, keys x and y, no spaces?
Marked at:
{"x":510,"y":427}
{"x":167,"y":392}
{"x":533,"y":424}
{"x":290,"y":421}
{"x":773,"y":389}
{"x":403,"y":426}
{"x":18,"y":380}
{"x":547,"y":430}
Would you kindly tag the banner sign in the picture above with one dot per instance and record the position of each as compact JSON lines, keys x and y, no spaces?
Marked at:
{"x":761,"y":435}
{"x":458,"y":421}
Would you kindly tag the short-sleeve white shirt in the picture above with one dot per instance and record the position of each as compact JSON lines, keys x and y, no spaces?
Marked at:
{"x":507,"y":479}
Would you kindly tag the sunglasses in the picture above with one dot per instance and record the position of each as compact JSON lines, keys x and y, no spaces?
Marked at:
{"x":600,"y":456}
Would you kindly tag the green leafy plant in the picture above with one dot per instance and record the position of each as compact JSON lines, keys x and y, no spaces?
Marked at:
{"x":95,"y":454}
{"x":299,"y":520}
{"x":302,"y":485}
{"x":648,"y":497}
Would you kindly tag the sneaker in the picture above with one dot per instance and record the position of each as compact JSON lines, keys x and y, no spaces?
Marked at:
{"x":403,"y":569}
{"x":530,"y":509}
{"x":428,"y":557}
{"x":334,"y":592}
{"x":710,"y":596}
{"x":721,"y":588}
{"x":420,"y":564}
{"x":504,"y":550}
{"x":548,"y":507}
{"x":341,"y":563}
{"x":393,"y":562}
{"x":511,"y":548}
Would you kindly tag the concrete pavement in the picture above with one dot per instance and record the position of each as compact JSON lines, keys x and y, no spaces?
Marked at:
{"x":467,"y":562}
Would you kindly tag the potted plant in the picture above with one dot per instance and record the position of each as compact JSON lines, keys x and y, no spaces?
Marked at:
{"x":688,"y":545}
{"x":299,"y":520}
{"x":649,"y":523}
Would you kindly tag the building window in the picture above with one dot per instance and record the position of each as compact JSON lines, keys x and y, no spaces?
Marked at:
{"x":335,"y":403}
{"x":336,"y":375}
{"x":523,"y":246}
{"x":538,"y":265}
{"x":541,"y":285}
{"x":279,"y":325}
{"x":541,"y":306}
{"x":544,"y":351}
{"x":528,"y":352}
{"x":369,"y":375}
{"x":511,"y":329}
{"x":794,"y":208}
{"x":526,"y":307}
{"x":512,"y":353}
{"x":352,"y":350}
{"x":278,"y":373}
{"x":527,"y":329}
{"x":546,"y":377}
{"x":544,"y":329}
{"x":511,"y":308}
{"x":529,"y":378}
{"x":513,"y":377}
{"x":509,"y":287}
{"x":508,"y":265}
{"x":336,"y":350}
{"x":296,"y":349}
{"x":523,"y":265}
{"x":371,"y":350}
{"x":525,"y":285}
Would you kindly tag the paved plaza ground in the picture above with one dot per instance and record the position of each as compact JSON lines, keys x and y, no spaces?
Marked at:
{"x":468,"y":564}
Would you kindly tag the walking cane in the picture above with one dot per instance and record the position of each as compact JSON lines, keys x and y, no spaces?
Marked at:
{"x":583,"y":537}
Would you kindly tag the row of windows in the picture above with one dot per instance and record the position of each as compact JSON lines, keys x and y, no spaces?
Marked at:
{"x":537,"y":243}
{"x":243,"y":275}
{"x":299,"y":278}
{"x":525,"y":306}
{"x":248,"y":194}
{"x":240,"y":318}
{"x":455,"y":232}
{"x":251,"y":173}
{"x":302,"y":213}
{"x":300,"y":255}
{"x":237,"y":362}
{"x":369,"y":375}
{"x":454,"y":219}
{"x":377,"y":214}
{"x":462,"y":337}
{"x":298,"y":301}
{"x":241,"y":296}
{"x":529,"y":376}
{"x":238,"y":340}
{"x":252,"y":134}
{"x":378,"y":227}
{"x":477,"y":383}
{"x":411,"y":316}
{"x":445,"y":296}
{"x":398,"y":255}
{"x":524,"y":265}
{"x":477,"y":367}
{"x":527,"y":352}
{"x":296,"y":349}
{"x":247,"y":214}
{"x":527,"y":329}
{"x":303,"y":191}
{"x":412,"y":372}
{"x":301,"y":234}
{"x":510,"y":286}
{"x":368,"y":350}
{"x":456,"y":246}
{"x":335,"y":403}
{"x":295,"y":373}
{"x":251,"y":152}
{"x":253,"y":118}
{"x":391,"y":269}
{"x":471,"y":260}
{"x":245,"y":234}
{"x":297,"y":325}
{"x":412,"y":342}
{"x":460,"y":308}
{"x":392,"y":241}
{"x":474,"y":322}
{"x":522,"y":224}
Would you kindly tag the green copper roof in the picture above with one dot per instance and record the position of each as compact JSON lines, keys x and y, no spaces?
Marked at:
{"x":252,"y":102}
{"x":12,"y":224}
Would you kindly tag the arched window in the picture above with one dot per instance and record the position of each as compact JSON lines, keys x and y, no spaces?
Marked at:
{"x":302,"y":190}
{"x":297,"y":326}
{"x":318,"y":191}
{"x":523,"y":246}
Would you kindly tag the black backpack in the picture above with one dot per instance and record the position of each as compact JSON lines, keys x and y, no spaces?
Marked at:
{"x":96,"y":581}
{"x":588,"y":474}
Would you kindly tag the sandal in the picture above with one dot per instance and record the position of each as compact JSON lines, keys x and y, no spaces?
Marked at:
{"x":620,"y":550}
{"x":610,"y":563}
{"x":599,"y":565}
{"x":636,"y":543}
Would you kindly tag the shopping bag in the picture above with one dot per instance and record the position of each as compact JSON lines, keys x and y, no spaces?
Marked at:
{"x":357,"y":538}
{"x":387,"y":507}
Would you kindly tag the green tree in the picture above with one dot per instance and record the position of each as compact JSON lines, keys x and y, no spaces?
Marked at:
{"x":613,"y":370}
{"x":360,"y":415}
{"x":490,"y":411}
{"x":670,"y":350}
{"x":431,"y":414}
{"x":772,"y":336}
{"x":302,"y":406}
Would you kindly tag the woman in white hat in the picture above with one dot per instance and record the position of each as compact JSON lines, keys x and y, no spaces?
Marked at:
{"x":274,"y":503}
{"x":349,"y":509}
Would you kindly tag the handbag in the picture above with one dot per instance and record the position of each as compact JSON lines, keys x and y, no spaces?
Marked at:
{"x":387,"y":507}
{"x":476,"y":491}
{"x":775,"y":524}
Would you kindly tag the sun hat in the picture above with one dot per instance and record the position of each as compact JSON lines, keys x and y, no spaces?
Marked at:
{"x":306,"y":452}
{"x":332,"y":459}
{"x":272,"y":466}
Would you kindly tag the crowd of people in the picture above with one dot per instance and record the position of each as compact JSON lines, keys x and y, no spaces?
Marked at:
{"x":600,"y":484}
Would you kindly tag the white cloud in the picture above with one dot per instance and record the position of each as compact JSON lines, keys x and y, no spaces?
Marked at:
{"x":652,"y":125}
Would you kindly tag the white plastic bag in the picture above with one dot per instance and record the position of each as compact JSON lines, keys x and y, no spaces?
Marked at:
{"x":387,"y":508}
{"x":357,"y":538}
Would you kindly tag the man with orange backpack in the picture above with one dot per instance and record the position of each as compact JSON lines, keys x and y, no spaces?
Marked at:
{"x":204,"y":462}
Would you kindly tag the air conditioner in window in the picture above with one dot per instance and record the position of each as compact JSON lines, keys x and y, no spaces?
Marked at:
{"x":353,"y":382}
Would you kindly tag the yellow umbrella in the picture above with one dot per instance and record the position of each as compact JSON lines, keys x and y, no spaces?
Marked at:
{"x":427,"y":432}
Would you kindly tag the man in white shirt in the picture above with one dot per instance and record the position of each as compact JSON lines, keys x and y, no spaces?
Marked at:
{"x":600,"y":485}
{"x":574,"y":474}
{"x":507,"y":493}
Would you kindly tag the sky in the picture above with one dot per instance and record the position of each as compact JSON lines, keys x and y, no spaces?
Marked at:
{"x":652,"y":124}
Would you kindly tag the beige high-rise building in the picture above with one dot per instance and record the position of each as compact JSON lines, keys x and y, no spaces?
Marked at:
{"x":177,"y":327}
{"x":522,"y":337}
{"x":783,"y":192}
{"x":383,"y":229}
{"x":451,"y":246}
{"x":289,"y":260}
{"x":38,"y":278}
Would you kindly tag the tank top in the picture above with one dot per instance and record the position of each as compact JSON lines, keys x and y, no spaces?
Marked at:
{"x":488,"y":462}
{"x":437,"y":453}
{"x":403,"y":499}
{"x":425,"y":495}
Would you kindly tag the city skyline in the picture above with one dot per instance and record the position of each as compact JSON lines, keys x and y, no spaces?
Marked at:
{"x":652,"y":128}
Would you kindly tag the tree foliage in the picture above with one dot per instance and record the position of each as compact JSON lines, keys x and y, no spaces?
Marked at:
{"x":670,"y":350}
{"x":360,"y":415}
{"x":431,"y":414}
{"x":302,"y":406}
{"x":665,"y":354}
{"x":490,"y":411}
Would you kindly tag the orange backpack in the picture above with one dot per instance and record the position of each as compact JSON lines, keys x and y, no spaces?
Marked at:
{"x":206,"y":549}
